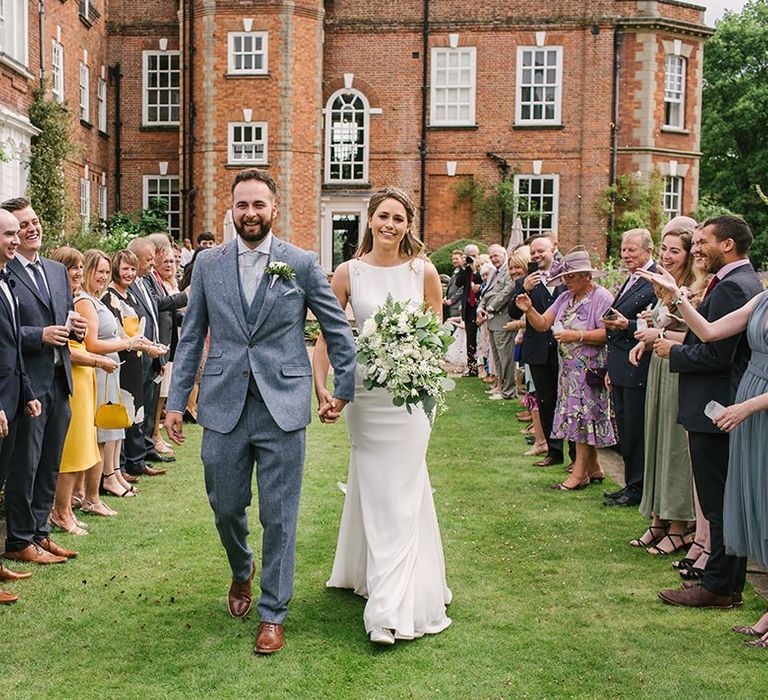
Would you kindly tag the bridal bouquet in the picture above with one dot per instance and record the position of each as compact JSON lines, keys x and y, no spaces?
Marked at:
{"x":401,"y":349}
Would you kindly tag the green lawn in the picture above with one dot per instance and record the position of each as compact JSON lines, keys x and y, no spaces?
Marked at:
{"x":549,"y":601}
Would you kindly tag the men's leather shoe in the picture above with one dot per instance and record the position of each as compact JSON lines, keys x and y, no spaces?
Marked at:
{"x":623,"y":501}
{"x":34,"y":554}
{"x":7,"y":575}
{"x":696,"y":597}
{"x":56,"y":549}
{"x":130,"y":478}
{"x":7,"y":598}
{"x":152,"y":471}
{"x":547,"y":462}
{"x":613,"y":494}
{"x":239,"y":599}
{"x":269,"y":638}
{"x":155,"y":456}
{"x":738,"y":599}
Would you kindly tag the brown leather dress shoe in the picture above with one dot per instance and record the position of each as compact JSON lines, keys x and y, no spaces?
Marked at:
{"x":239,"y":599}
{"x":50,"y":546}
{"x":130,"y":478}
{"x":7,"y":598}
{"x":547,"y":462}
{"x":34,"y":555}
{"x":738,"y":598}
{"x":269,"y":638}
{"x":696,"y":597}
{"x":152,"y":471}
{"x":7,"y":575}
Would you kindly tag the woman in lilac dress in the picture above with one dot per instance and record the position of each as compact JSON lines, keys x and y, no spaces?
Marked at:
{"x":582,"y":413}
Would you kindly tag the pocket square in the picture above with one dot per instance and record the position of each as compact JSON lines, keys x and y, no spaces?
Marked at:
{"x":293,"y":290}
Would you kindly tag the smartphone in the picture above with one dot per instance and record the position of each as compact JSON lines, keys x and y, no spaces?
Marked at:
{"x":610,"y":314}
{"x":533,"y":267}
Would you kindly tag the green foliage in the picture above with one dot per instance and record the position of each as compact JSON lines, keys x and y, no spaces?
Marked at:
{"x":489,"y":202}
{"x":50,"y":150}
{"x":734,"y":130}
{"x":441,"y":257}
{"x":635,"y":203}
{"x":311,"y":331}
{"x":708,"y":208}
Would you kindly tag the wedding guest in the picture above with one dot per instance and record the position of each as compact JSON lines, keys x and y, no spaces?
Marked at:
{"x":668,"y":481}
{"x":583,"y":412}
{"x":206,"y":240}
{"x":539,"y":349}
{"x":485,"y":367}
{"x":187,"y":251}
{"x":45,"y":303}
{"x":80,"y":457}
{"x":712,"y":371}
{"x":628,"y":382}
{"x":452,"y":298}
{"x":469,"y":281}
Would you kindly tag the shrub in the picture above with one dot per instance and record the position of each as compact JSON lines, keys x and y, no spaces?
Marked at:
{"x":441,"y":257}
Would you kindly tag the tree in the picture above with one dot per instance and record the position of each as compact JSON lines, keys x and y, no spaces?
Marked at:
{"x":734,"y":134}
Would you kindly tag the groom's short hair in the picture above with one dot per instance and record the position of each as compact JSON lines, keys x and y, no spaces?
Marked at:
{"x":255,"y":174}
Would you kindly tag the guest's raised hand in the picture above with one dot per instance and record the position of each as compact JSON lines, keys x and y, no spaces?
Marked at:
{"x":636,"y":354}
{"x":732,"y":416}
{"x":523,"y":302}
{"x":33,"y":408}
{"x":647,"y":335}
{"x":647,"y":316}
{"x":619,"y":322}
{"x":532,"y":281}
{"x":662,"y":278}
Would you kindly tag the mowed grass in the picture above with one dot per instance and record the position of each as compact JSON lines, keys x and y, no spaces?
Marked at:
{"x":549,"y":600}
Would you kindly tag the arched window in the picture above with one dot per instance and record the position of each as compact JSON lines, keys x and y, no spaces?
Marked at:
{"x":346,"y":137}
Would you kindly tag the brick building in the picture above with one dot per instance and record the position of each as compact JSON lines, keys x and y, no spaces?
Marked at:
{"x":341,"y":97}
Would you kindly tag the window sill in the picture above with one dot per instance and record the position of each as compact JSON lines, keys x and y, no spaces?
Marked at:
{"x":160,"y":127}
{"x":346,"y":185}
{"x":453,"y":127}
{"x":245,"y":166}
{"x":248,"y":76}
{"x":103,"y":134}
{"x":543,"y":125}
{"x":12,"y":63}
{"x":675,"y":130}
{"x":87,"y":22}
{"x":86,"y":123}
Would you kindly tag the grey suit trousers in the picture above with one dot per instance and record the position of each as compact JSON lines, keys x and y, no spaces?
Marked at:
{"x":503,"y":351}
{"x":228,"y":460}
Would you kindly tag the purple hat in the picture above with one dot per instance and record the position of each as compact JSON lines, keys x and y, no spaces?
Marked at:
{"x":575,"y":260}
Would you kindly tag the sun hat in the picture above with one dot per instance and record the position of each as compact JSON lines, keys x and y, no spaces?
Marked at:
{"x":575,"y":260}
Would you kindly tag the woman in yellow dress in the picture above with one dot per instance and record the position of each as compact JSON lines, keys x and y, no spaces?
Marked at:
{"x":81,"y":453}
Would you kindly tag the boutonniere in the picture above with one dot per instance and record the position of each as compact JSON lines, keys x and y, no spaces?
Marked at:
{"x":279,"y":270}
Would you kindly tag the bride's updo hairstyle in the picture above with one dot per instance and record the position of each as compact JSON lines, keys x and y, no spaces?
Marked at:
{"x":410,"y":246}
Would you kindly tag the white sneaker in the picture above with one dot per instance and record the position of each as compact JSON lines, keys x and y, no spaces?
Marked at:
{"x":381,"y":635}
{"x":496,"y":397}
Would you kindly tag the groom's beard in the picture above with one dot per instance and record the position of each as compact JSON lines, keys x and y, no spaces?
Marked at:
{"x":253,"y":236}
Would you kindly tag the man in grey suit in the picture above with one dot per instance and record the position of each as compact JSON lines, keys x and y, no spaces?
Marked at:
{"x":492,"y":310}
{"x":254,"y":402}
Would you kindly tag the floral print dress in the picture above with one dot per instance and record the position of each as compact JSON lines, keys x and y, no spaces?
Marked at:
{"x":583,"y":412}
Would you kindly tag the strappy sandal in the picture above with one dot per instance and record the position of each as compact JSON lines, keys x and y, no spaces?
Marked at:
{"x":74,"y":529}
{"x":99,"y":508}
{"x":656,"y":550}
{"x":563,"y":487}
{"x":748,"y":631}
{"x":687,"y":562}
{"x":761,"y":643}
{"x":652,"y":529}
{"x":127,"y":493}
{"x":693,"y":573}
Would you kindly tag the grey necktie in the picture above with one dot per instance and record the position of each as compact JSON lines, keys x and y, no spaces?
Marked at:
{"x":40,"y":282}
{"x":250,"y":276}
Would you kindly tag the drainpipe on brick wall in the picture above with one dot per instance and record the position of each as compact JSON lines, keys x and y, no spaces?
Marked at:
{"x":115,"y":77}
{"x":41,"y":29}
{"x":618,"y":38}
{"x":189,"y":190}
{"x":423,"y":144}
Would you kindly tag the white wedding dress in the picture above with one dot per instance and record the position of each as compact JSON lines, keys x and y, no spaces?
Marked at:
{"x":389,"y":548}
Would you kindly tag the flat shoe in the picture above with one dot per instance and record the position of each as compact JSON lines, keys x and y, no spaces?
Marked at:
{"x":563,"y":487}
{"x":748,"y":631}
{"x":381,"y":635}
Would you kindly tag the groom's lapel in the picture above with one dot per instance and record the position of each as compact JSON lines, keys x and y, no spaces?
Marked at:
{"x":276,"y":254}
{"x":229,"y":279}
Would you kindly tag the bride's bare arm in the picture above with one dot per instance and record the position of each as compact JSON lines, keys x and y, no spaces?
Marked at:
{"x":433,"y":290}
{"x":730,"y":324}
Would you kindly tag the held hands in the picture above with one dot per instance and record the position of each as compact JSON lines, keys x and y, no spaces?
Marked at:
{"x":636,"y":353}
{"x":174,"y":426}
{"x":523,"y":302}
{"x":530,"y":282}
{"x":618,"y":323}
{"x":732,"y":416}
{"x":56,"y":335}
{"x":329,"y":408}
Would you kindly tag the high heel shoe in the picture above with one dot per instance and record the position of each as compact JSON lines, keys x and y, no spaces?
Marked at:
{"x":693,"y":573}
{"x":562,"y":486}
{"x":126,"y":493}
{"x":597,"y":478}
{"x":539,"y":448}
{"x":673,"y":537}
{"x":643,"y":540}
{"x":687,"y":562}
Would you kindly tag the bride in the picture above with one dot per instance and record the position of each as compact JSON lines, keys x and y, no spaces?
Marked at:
{"x":389,"y":548}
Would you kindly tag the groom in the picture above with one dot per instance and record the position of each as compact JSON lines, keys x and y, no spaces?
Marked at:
{"x":254,"y":401}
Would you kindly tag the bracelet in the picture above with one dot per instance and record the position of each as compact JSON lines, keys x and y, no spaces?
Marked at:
{"x":679,"y":300}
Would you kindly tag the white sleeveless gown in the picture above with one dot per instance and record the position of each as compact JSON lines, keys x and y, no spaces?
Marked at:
{"x":389,"y":548}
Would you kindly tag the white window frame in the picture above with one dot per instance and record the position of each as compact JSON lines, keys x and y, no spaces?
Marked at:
{"x":85,"y":202}
{"x":527,"y":229}
{"x":146,"y":196}
{"x":446,"y":85}
{"x":57,"y":70}
{"x":85,"y":92}
{"x":232,"y":37}
{"x":233,"y":158}
{"x":101,"y":98}
{"x":329,"y":132}
{"x":675,"y":79}
{"x":103,"y":202}
{"x":14,"y":32}
{"x":146,"y":89}
{"x":673,"y":196}
{"x":557,"y":85}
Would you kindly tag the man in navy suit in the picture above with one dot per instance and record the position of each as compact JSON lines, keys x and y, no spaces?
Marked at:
{"x":15,"y":389}
{"x":627,"y":382}
{"x":712,"y":372}
{"x":45,"y":302}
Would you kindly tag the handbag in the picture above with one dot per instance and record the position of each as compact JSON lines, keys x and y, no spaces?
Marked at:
{"x":595,"y":376}
{"x":111,"y":416}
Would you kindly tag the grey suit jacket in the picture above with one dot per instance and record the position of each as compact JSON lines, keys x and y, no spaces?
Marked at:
{"x":496,"y":299}
{"x":272,"y":350}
